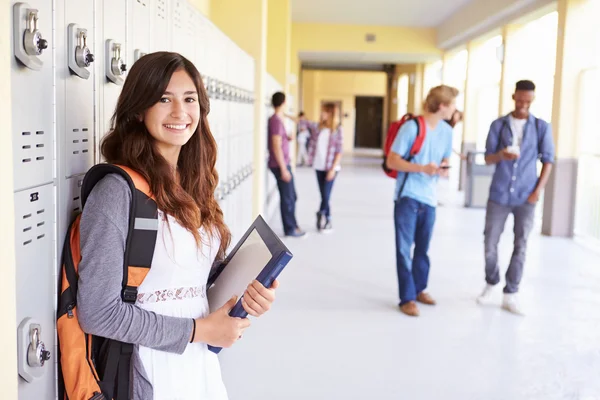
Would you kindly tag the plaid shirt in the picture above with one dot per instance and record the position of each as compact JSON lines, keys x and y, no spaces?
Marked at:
{"x":334,"y":147}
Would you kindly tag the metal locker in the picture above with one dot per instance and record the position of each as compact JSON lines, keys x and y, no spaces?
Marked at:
{"x":36,"y":291}
{"x":191,"y":30}
{"x":138,"y":29}
{"x":112,"y":56}
{"x":75,"y":96}
{"x":161,"y":25}
{"x":199,"y":42}
{"x":180,"y":25}
{"x":32,"y":94}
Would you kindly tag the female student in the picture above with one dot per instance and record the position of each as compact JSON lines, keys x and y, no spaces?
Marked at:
{"x":160,"y":130}
{"x":325,"y":155}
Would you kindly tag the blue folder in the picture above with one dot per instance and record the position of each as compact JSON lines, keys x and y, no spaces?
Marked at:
{"x":280,"y":257}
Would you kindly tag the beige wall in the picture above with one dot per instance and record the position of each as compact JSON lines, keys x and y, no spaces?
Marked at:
{"x":341,"y":86}
{"x":8,"y":310}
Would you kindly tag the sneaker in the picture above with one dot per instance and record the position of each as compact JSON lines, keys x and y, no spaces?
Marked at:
{"x":484,"y":298}
{"x":511,"y":304}
{"x":410,"y":309}
{"x":426,"y":298}
{"x":328,"y":227}
{"x":298,"y":233}
{"x":319,"y":221}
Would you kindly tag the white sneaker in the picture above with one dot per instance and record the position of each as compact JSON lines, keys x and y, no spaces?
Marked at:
{"x":511,"y":304}
{"x":484,"y":298}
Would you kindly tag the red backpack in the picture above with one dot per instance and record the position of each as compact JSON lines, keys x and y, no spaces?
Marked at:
{"x":391,"y":136}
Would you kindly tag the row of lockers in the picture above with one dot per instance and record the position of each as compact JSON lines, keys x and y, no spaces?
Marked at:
{"x":70,"y":60}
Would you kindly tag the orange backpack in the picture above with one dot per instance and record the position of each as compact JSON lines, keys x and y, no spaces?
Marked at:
{"x":92,"y":367}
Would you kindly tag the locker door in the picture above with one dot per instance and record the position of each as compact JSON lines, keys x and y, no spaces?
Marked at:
{"x":179,"y":18}
{"x":138,"y":29}
{"x":34,"y":192}
{"x":161,"y":27}
{"x":200,"y":43}
{"x":36,"y":289}
{"x":191,"y":32}
{"x":32,"y":100}
{"x":112,"y":54}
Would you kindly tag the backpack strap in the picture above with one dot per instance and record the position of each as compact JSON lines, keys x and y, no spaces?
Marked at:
{"x":139,"y":250}
{"x":415,"y":148}
{"x":540,"y":135}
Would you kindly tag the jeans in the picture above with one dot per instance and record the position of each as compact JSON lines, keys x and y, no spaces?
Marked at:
{"x":495,"y":219}
{"x":325,"y":188}
{"x":414,"y":223}
{"x":288,"y":197}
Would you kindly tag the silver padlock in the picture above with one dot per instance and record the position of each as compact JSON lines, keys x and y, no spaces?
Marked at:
{"x":83,"y":55}
{"x":33,"y":42}
{"x":117,"y":64}
{"x":37,"y":354}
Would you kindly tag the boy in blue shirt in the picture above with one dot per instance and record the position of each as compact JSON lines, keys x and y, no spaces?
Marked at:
{"x":416,"y":198}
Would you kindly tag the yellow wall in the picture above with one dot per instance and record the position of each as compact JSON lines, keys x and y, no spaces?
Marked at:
{"x":236,"y":19}
{"x":351,"y":38}
{"x":341,"y":86}
{"x":8,"y":340}
{"x":203,"y":6}
{"x":279,"y":40}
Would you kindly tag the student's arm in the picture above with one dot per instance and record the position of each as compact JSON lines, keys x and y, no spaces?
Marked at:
{"x":277,"y":143}
{"x":547,"y":152}
{"x":492,"y":154}
{"x":101,"y":311}
{"x":337,"y":159}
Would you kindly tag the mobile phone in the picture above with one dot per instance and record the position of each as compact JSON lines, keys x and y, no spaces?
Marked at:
{"x":445,"y":166}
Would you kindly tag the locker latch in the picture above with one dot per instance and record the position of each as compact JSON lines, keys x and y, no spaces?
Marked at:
{"x":80,"y":56}
{"x":137,"y":54}
{"x":37,"y":354}
{"x":115,"y":66}
{"x":28,"y":40}
{"x":34,"y":43}
{"x":83,"y":55}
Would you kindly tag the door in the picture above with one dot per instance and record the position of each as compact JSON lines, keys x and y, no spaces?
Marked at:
{"x":369,"y":122}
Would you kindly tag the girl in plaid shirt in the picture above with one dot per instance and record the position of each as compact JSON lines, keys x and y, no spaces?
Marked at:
{"x":325,"y":154}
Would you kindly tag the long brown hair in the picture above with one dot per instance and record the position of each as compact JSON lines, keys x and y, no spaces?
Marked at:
{"x":191,"y":201}
{"x":334,"y":120}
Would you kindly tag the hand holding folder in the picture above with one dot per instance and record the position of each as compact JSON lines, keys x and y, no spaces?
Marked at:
{"x":258,"y":258}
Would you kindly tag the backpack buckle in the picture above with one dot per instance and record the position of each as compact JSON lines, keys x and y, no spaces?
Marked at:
{"x":130,"y":294}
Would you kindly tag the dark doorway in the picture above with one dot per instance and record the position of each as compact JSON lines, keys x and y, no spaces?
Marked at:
{"x":369,"y":120}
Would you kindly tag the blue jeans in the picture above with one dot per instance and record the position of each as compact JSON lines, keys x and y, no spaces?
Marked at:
{"x":287,"y":202}
{"x":325,"y":188}
{"x":414,"y":224}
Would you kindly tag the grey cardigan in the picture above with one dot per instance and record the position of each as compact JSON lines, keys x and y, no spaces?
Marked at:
{"x":101,"y":311}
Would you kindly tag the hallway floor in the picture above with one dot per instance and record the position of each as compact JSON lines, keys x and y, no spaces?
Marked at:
{"x":335,"y":331}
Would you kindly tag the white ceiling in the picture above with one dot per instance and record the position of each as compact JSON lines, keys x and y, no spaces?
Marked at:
{"x":412,"y":13}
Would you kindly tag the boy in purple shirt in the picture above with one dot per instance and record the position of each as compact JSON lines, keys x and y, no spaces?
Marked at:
{"x":279,"y":164}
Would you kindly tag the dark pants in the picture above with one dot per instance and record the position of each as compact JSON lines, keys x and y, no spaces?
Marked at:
{"x":287,"y":195}
{"x":325,"y":188}
{"x":495,"y":219}
{"x":414,"y":225}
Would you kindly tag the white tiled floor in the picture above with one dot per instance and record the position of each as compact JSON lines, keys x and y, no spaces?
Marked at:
{"x":335,"y":331}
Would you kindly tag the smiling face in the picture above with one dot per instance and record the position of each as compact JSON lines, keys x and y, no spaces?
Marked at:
{"x":174,"y":119}
{"x":523,"y":100}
